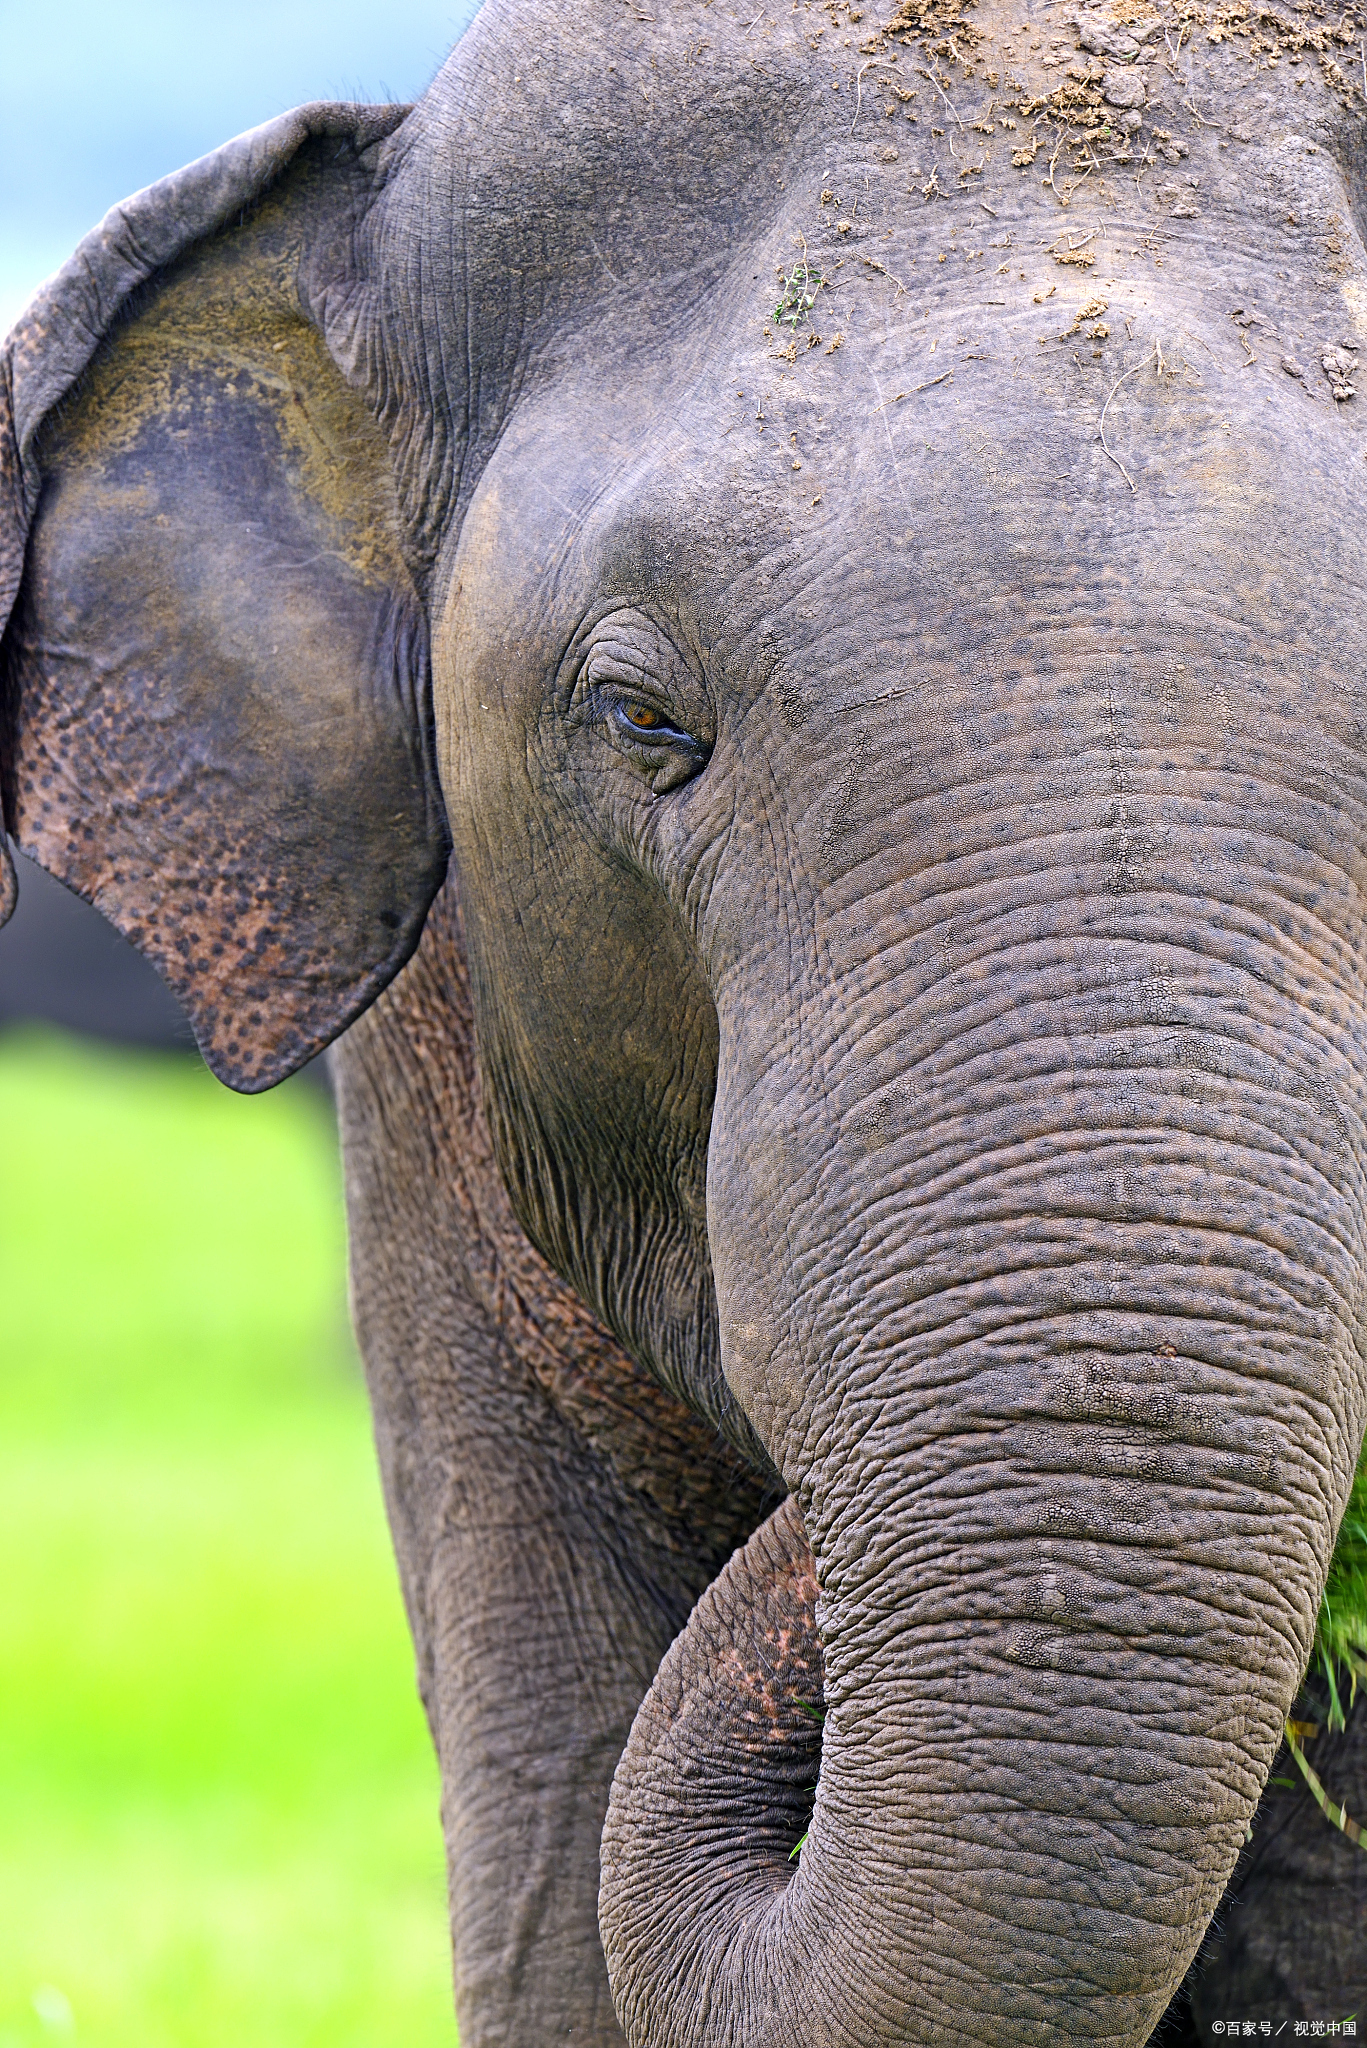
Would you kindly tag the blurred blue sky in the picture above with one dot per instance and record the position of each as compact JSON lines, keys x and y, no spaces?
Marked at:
{"x":101,"y":97}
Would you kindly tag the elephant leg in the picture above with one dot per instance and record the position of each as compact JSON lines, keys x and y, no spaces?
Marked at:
{"x":539,"y":1623}
{"x":555,"y":1514}
{"x":1289,"y":1941}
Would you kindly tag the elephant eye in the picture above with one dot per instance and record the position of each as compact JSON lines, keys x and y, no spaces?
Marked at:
{"x":629,"y":683}
{"x":634,"y":715}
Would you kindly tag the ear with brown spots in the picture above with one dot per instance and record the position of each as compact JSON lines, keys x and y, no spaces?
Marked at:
{"x":214,"y":681}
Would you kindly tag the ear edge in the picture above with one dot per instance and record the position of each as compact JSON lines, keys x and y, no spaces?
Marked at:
{"x":43,"y":367}
{"x":51,"y":344}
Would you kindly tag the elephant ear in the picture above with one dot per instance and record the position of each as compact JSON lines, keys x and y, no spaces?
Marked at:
{"x":215,"y":705}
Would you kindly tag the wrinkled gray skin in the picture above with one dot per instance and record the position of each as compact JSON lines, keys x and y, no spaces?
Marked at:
{"x":903,"y":953}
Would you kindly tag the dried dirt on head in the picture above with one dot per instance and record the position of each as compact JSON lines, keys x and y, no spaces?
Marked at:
{"x":1094,"y":118}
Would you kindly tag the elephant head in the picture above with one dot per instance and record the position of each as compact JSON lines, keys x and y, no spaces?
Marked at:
{"x":906,"y":784}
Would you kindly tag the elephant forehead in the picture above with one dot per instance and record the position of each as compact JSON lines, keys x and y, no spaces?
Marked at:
{"x":823,"y":516}
{"x":875,"y":422}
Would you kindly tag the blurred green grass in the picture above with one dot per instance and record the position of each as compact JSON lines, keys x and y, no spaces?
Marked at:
{"x":218,"y":1804}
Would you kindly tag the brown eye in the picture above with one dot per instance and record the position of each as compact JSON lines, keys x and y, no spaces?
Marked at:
{"x":643,"y":721}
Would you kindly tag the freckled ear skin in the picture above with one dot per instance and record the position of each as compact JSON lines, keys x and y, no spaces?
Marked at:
{"x":217,"y":723}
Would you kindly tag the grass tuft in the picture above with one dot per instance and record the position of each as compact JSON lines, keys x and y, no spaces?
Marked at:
{"x":797,"y":296}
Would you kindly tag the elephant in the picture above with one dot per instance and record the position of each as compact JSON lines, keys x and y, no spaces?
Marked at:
{"x":755,"y":613}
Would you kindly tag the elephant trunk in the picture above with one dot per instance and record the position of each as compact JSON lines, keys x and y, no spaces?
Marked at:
{"x":951,"y":1851}
{"x":711,"y":1799}
{"x":1064,"y":1383}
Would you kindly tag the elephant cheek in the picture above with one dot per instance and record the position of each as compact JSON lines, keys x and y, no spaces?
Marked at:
{"x":762,"y":1360}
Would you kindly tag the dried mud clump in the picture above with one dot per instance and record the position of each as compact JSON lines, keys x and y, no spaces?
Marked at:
{"x":1271,"y":33}
{"x":1095,"y":118}
{"x":1088,"y":120}
{"x":1092,"y":119}
{"x":1339,"y":365}
{"x":942,"y":26}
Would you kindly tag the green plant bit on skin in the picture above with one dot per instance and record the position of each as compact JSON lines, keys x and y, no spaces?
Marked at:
{"x":813,"y":1713}
{"x":800,"y":287}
